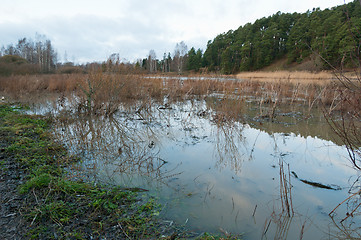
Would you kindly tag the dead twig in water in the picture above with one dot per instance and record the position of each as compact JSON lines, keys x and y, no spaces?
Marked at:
{"x":351,"y":214}
{"x":235,"y":219}
{"x":344,"y":201}
{"x":208,"y":192}
{"x":232,"y":205}
{"x":302,"y":230}
{"x":266,"y":228}
{"x":254,"y":211}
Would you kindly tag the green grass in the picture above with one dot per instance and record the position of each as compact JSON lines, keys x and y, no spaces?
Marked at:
{"x":2,"y":167}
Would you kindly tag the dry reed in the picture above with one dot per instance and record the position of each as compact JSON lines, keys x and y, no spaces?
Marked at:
{"x":103,"y":93}
{"x":301,"y":77}
{"x":25,"y":88}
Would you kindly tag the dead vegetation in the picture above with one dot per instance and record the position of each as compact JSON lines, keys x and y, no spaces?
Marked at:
{"x":104,"y":93}
{"x":295,"y":77}
{"x":348,"y":124}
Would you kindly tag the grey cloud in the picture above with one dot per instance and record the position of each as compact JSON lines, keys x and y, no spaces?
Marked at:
{"x":91,"y":30}
{"x":90,"y":37}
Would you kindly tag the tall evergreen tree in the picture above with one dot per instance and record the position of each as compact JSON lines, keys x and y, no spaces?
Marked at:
{"x":332,"y":33}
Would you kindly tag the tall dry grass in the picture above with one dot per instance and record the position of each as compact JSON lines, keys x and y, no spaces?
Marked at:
{"x":18,"y":87}
{"x":103,"y":93}
{"x":296,"y":77}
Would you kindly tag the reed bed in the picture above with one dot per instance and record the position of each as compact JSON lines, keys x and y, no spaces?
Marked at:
{"x":295,"y":77}
{"x":103,"y":93}
{"x":18,"y":85}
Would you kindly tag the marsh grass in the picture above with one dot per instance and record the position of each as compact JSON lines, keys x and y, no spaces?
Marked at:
{"x":100,"y":93}
{"x":23,"y":86}
{"x":294,"y":77}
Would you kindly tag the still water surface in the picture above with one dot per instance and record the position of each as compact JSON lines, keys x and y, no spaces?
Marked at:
{"x":220,"y":177}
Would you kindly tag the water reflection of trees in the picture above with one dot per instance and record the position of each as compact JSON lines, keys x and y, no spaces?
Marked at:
{"x":113,"y":145}
{"x":130,"y":141}
{"x":228,"y":146}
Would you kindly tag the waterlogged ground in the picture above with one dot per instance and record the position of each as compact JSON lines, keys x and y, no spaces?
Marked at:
{"x":222,"y":176}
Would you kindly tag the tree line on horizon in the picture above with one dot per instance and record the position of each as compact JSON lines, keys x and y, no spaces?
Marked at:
{"x":28,"y":56}
{"x":332,"y":34}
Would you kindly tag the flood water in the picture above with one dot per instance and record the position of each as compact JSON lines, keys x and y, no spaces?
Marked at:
{"x":221,"y":177}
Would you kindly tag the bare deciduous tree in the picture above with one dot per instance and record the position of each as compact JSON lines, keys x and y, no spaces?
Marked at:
{"x":40,"y":52}
{"x":152,"y":61}
{"x":180,"y":55}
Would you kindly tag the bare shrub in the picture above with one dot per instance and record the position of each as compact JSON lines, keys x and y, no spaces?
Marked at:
{"x":348,"y":124}
{"x":100,"y":94}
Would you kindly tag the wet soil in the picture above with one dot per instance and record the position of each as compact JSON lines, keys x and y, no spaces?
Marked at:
{"x":12,"y":224}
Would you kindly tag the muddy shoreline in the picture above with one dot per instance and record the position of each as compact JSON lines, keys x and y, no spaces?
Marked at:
{"x":12,"y":225}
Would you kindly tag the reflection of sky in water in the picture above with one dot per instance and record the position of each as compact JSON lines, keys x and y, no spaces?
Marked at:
{"x":215,"y":176}
{"x":257,"y":183}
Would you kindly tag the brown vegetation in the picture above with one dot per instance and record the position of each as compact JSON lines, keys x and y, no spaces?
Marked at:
{"x":103,"y":93}
{"x":294,"y":77}
{"x":11,"y":63}
{"x":27,"y":87}
{"x":349,"y":128}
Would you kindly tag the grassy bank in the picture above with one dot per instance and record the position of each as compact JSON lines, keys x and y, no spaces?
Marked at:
{"x":51,"y":206}
{"x":57,"y":208}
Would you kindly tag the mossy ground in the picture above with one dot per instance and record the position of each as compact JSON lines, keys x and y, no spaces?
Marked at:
{"x":48,"y":205}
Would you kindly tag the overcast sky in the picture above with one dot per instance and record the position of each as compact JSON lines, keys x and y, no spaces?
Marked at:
{"x":92,"y":30}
